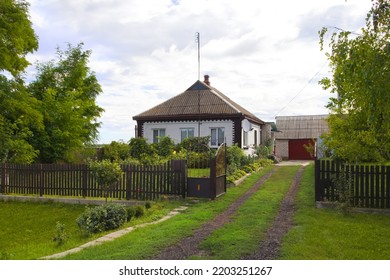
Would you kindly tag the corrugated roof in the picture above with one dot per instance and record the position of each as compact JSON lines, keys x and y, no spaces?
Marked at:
{"x":200,"y":99}
{"x":301,"y":127}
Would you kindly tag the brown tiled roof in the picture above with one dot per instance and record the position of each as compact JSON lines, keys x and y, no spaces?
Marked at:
{"x":198,"y":100}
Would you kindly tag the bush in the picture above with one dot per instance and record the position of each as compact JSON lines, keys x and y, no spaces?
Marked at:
{"x":148,"y":205}
{"x":139,"y":147}
{"x":61,"y":235}
{"x":102,"y":218}
{"x":139,"y":211}
{"x":130,"y":212}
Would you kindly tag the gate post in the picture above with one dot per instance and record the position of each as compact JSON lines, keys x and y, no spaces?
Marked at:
{"x":213,"y":178}
{"x":179,"y":181}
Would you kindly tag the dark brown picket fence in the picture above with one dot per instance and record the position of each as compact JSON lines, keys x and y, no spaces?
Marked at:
{"x":75,"y":180}
{"x":368,"y":186}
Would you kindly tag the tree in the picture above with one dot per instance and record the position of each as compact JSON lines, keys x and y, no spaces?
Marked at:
{"x":17,"y":37}
{"x":116,"y":151}
{"x":18,"y":116}
{"x":106,"y":173}
{"x":139,"y":148}
{"x":67,"y":89}
{"x":18,"y":110}
{"x":359,"y":122}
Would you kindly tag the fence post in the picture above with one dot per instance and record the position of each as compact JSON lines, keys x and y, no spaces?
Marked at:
{"x":41,"y":183}
{"x":387,"y":186}
{"x":85,"y":180}
{"x":128,"y":181}
{"x":184,"y":174}
{"x":317,"y":185}
{"x":2,"y":182}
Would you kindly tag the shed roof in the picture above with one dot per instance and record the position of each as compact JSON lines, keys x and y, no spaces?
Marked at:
{"x":301,"y":127}
{"x":199,"y":100}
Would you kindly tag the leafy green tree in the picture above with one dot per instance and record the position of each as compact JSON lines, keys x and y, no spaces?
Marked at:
{"x":116,"y":151}
{"x":17,"y":37}
{"x":360,"y":114}
{"x":18,"y":115}
{"x":164,"y":147}
{"x":139,"y":148}
{"x":18,"y":110}
{"x":67,"y":89}
{"x":106,"y":173}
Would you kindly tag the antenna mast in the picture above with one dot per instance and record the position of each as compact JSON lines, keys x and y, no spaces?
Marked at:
{"x":197,"y":39}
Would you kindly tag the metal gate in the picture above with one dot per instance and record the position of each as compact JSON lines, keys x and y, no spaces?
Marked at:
{"x":206,"y":171}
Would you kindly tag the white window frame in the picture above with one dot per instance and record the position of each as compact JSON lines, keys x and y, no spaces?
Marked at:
{"x":189,"y":132}
{"x":245,"y":136}
{"x":160,"y":134}
{"x":219,"y":139}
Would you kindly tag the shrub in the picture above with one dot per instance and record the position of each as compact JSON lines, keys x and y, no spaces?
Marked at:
{"x":164,"y":147}
{"x":130,"y":212}
{"x":262,"y":151}
{"x":61,"y":235}
{"x":139,"y":147}
{"x":235,"y":155}
{"x":139,"y":211}
{"x":148,"y":205}
{"x":247,"y":169}
{"x":102,"y":218}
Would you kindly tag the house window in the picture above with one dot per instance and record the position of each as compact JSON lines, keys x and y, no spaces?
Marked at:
{"x":255,"y":140}
{"x":245,"y":142}
{"x":217,"y":136}
{"x":157,"y":134}
{"x":186,"y":133}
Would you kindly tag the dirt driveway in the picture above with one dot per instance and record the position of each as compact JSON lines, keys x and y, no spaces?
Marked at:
{"x":268,"y":249}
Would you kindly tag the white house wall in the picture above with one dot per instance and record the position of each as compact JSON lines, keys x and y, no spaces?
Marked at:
{"x":250,"y":148}
{"x":172,"y":129}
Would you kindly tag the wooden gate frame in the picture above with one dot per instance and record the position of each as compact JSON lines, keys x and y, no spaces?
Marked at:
{"x":215,"y":185}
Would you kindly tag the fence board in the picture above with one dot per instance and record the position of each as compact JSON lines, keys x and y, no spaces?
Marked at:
{"x":137,"y":182}
{"x":369,"y":186}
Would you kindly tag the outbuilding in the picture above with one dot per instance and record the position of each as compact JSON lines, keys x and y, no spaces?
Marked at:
{"x":298,"y":136}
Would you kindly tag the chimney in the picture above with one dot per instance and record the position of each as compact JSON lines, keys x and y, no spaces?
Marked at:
{"x":206,"y":80}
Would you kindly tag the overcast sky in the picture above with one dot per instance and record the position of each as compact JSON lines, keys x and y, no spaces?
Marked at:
{"x":264,"y":55}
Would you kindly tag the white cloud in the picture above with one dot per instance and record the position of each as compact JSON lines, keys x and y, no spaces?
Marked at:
{"x":260,"y":53}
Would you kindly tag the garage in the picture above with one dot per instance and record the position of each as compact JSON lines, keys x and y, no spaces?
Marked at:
{"x":296,"y":131}
{"x":297,"y":151}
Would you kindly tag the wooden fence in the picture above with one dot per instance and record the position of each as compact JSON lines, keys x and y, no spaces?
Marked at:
{"x":75,"y":180}
{"x":367,"y":186}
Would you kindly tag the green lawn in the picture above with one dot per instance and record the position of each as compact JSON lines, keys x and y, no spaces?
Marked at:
{"x":321,"y":234}
{"x":27,"y":229}
{"x":199,"y":172}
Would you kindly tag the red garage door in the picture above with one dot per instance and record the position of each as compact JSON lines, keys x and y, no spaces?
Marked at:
{"x":297,"y":151}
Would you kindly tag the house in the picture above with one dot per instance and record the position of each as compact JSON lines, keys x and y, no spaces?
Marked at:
{"x":296,"y":133}
{"x":201,"y":110}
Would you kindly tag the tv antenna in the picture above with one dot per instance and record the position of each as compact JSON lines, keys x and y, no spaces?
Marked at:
{"x":197,"y":40}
